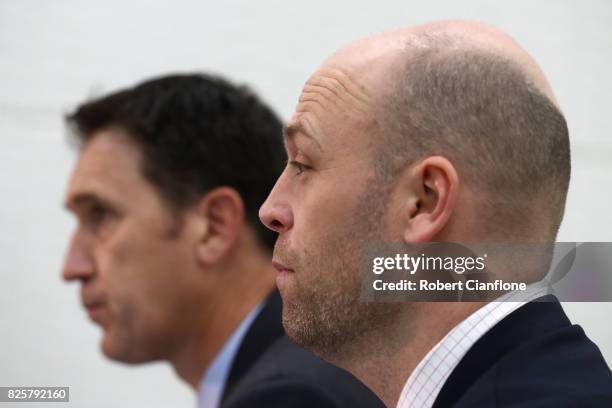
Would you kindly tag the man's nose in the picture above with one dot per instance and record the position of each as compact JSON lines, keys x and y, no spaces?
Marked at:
{"x":276,"y":217}
{"x":79,"y":263}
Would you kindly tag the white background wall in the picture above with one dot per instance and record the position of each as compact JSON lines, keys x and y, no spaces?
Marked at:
{"x":53,"y":54}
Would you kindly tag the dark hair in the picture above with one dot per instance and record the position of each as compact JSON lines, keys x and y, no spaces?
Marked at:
{"x":483,"y":113}
{"x":196,"y":132}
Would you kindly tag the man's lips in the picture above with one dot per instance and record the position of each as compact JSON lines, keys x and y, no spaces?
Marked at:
{"x":92,"y":300}
{"x":96,"y":310}
{"x":281,"y":268}
{"x":92,"y":305}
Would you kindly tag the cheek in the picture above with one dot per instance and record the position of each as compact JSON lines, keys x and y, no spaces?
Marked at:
{"x":325,"y":210}
{"x":147,"y":299}
{"x":136,"y":273}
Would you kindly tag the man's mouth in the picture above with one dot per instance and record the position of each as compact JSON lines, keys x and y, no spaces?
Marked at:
{"x":92,"y":305}
{"x":90,"y":301}
{"x":281,"y":269}
{"x":95,"y":304}
{"x":96,"y":312}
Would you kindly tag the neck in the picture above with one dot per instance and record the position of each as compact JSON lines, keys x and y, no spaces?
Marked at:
{"x":246,"y":283}
{"x":384,"y":360}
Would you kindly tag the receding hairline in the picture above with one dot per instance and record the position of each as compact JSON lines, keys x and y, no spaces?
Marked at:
{"x":457,"y":38}
{"x":393,"y":49}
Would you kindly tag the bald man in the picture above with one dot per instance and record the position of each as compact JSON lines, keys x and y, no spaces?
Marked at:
{"x":447,"y":132}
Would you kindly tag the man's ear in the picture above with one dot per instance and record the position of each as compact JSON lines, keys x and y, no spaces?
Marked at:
{"x":434,"y":192}
{"x":222,"y":210}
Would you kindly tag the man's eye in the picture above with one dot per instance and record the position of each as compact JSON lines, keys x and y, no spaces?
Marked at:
{"x":96,"y":215}
{"x":299,"y":167}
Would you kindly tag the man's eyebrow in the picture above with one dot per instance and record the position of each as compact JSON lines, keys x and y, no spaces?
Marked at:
{"x":85,"y":198}
{"x":296,"y":127}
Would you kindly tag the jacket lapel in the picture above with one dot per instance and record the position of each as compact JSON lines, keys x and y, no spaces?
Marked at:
{"x":265,"y":329}
{"x":529,"y":321}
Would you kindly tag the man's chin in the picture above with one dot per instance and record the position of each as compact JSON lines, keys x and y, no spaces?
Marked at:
{"x":301,"y":328}
{"x":314,"y":341}
{"x":121,"y":352}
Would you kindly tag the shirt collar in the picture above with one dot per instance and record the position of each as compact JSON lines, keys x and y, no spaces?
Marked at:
{"x":213,"y":381}
{"x":427,"y":379}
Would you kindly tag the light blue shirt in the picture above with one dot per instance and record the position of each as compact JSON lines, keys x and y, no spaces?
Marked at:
{"x":213,"y":381}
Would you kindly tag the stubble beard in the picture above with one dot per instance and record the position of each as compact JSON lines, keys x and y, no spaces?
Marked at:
{"x":323,"y":311}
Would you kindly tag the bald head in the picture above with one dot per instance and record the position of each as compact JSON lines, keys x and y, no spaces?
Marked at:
{"x":470,"y":93}
{"x":372,"y":59}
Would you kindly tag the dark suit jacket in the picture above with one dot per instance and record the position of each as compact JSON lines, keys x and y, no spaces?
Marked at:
{"x":270,"y":371}
{"x":533,"y":358}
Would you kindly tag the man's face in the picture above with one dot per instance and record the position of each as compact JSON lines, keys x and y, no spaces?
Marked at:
{"x":136,"y":267}
{"x":325,"y":204}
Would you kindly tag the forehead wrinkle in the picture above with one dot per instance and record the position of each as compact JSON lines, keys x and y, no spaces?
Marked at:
{"x":303,"y":112}
{"x":300,"y":125}
{"x":339,"y":83}
{"x":309,"y":99}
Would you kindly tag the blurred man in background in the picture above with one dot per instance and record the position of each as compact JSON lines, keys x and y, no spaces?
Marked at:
{"x":172,"y":260}
{"x":447,"y":132}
